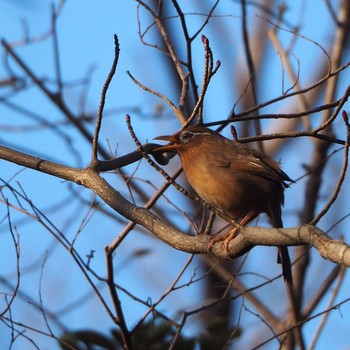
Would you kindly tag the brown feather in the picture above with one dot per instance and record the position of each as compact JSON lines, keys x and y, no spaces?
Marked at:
{"x":233,"y":177}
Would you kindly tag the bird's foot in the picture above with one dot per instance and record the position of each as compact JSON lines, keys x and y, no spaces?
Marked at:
{"x":225,"y":238}
{"x":215,"y":239}
{"x":232,"y":234}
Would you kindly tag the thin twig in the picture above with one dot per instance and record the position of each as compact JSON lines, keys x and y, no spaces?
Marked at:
{"x":326,"y":311}
{"x":321,"y":291}
{"x":206,"y":21}
{"x":341,"y":176}
{"x":114,"y":245}
{"x":120,"y":321}
{"x":248,"y":116}
{"x":295,"y":33}
{"x":165,"y":294}
{"x":303,"y":91}
{"x":16,"y":242}
{"x":163,"y":32}
{"x":272,"y":34}
{"x":102,"y":103}
{"x":176,"y":111}
{"x":326,"y":316}
{"x":208,"y":63}
{"x":251,"y":68}
{"x":190,"y":76}
{"x":56,"y":50}
{"x":208,"y":72}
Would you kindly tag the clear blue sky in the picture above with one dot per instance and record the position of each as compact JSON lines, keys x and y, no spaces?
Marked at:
{"x":86,"y":47}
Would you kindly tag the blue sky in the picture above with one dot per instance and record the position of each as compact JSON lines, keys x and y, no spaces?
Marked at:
{"x":86,"y":51}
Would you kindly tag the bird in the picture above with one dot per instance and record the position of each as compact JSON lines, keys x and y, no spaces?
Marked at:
{"x":233,"y":178}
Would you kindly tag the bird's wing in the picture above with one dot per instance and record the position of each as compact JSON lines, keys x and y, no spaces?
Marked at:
{"x":241,"y":158}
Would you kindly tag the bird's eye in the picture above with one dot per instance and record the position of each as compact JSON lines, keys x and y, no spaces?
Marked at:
{"x":186,"y":136}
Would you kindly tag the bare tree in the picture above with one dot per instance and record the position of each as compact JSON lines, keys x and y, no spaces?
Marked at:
{"x":98,"y":248}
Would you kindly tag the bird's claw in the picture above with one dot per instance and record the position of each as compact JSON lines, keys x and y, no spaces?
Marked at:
{"x":226,"y":240}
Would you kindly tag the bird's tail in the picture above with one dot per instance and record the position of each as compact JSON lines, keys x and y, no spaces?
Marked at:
{"x":284,"y":259}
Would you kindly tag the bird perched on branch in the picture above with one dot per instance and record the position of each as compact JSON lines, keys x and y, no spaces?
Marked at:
{"x":233,"y":178}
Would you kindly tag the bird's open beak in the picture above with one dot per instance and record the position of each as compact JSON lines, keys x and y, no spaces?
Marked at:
{"x":172,"y":146}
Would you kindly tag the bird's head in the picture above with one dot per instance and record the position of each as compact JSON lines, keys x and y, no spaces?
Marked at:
{"x":183,"y":138}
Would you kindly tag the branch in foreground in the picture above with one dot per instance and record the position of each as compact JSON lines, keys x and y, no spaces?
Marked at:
{"x":248,"y":237}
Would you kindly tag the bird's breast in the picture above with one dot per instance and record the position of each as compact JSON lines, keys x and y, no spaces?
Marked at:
{"x":217,"y":186}
{"x":231,"y":190}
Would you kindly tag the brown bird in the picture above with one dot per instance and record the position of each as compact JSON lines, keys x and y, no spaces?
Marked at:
{"x":233,"y":178}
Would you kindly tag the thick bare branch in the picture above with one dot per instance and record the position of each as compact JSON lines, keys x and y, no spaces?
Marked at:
{"x":332,"y":250}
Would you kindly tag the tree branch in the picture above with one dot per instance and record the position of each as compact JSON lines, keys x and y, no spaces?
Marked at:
{"x":330,"y":249}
